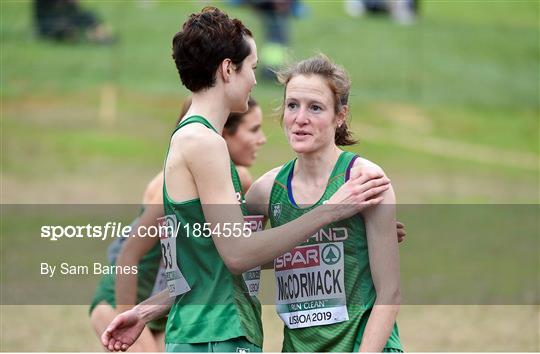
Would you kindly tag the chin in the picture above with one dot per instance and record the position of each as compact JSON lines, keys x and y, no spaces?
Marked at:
{"x":301,"y":148}
{"x":240,"y":108}
{"x":243,"y":161}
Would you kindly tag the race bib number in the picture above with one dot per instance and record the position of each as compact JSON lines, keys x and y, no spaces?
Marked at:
{"x":252,"y":277}
{"x":161,"y":279}
{"x":176,"y":283}
{"x":310,"y":286}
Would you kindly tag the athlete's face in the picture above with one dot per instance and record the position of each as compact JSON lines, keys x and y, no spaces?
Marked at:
{"x":248,"y":138}
{"x":243,"y":80}
{"x":309,"y":117}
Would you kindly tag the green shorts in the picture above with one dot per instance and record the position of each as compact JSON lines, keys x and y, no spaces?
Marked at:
{"x":104,"y":292}
{"x":234,"y":345}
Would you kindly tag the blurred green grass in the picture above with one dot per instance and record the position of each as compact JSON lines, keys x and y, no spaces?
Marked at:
{"x":467,"y":72}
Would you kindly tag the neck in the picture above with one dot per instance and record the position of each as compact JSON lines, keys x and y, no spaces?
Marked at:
{"x":316,"y":167}
{"x":210,"y":105}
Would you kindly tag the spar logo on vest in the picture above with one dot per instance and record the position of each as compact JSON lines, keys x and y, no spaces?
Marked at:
{"x":331,"y":254}
{"x":309,"y":256}
{"x":300,"y":257}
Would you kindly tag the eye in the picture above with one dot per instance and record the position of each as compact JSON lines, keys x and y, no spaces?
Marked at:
{"x":291,"y":105}
{"x":316,"y":108}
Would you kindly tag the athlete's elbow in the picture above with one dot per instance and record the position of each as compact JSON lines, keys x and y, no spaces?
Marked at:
{"x":235,"y":264}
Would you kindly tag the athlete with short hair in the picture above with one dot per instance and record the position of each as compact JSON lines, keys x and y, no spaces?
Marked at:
{"x":116,"y":294}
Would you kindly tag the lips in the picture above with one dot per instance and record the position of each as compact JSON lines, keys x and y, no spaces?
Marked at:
{"x":301,"y":133}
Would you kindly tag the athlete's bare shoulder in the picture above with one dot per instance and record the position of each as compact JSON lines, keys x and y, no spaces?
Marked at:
{"x":195,"y":152}
{"x":196,"y":137}
{"x":196,"y":143}
{"x":365,"y":165}
{"x":266,"y":181}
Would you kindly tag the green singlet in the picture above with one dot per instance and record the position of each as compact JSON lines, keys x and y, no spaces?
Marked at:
{"x":148,"y":283}
{"x":324,"y":289}
{"x":218,"y":307}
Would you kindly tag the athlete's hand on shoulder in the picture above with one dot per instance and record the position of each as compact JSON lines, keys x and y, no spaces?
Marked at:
{"x":123,"y":331}
{"x":363,"y":189}
{"x":401,"y":232}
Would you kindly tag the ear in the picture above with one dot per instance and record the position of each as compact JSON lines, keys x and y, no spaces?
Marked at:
{"x":342,"y":115}
{"x":226,"y":69}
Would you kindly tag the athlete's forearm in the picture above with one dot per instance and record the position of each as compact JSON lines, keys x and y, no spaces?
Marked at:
{"x":378,"y":329}
{"x":133,"y":251}
{"x":126,"y":284}
{"x":155,"y":307}
{"x":244,"y":253}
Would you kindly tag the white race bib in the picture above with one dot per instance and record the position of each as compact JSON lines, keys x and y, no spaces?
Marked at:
{"x":161,"y":279}
{"x":252,"y":277}
{"x":310,"y":285}
{"x":176,"y":283}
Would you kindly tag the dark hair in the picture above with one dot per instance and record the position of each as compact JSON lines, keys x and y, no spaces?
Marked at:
{"x":337,"y":80}
{"x":206,"y":39}
{"x":234,"y":119}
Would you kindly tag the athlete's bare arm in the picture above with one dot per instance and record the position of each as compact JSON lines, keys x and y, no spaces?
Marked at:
{"x":211,"y":172}
{"x":258,"y":199}
{"x":258,"y":196}
{"x":384,"y":264}
{"x":246,"y":180}
{"x":154,"y":187}
{"x":134,"y":249}
{"x":364,"y":166}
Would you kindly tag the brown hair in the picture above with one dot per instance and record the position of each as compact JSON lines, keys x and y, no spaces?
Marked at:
{"x":338,"y":82}
{"x":206,"y":39}
{"x":234,"y":119}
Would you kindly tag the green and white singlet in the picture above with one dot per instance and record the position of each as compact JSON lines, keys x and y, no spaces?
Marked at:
{"x":219,"y":306}
{"x":324,"y":289}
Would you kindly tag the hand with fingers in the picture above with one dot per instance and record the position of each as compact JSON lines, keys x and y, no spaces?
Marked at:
{"x":123,"y":331}
{"x":401,"y":232}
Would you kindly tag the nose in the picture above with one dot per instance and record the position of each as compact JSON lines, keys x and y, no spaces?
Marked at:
{"x":262,"y":139}
{"x":301,"y":117}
